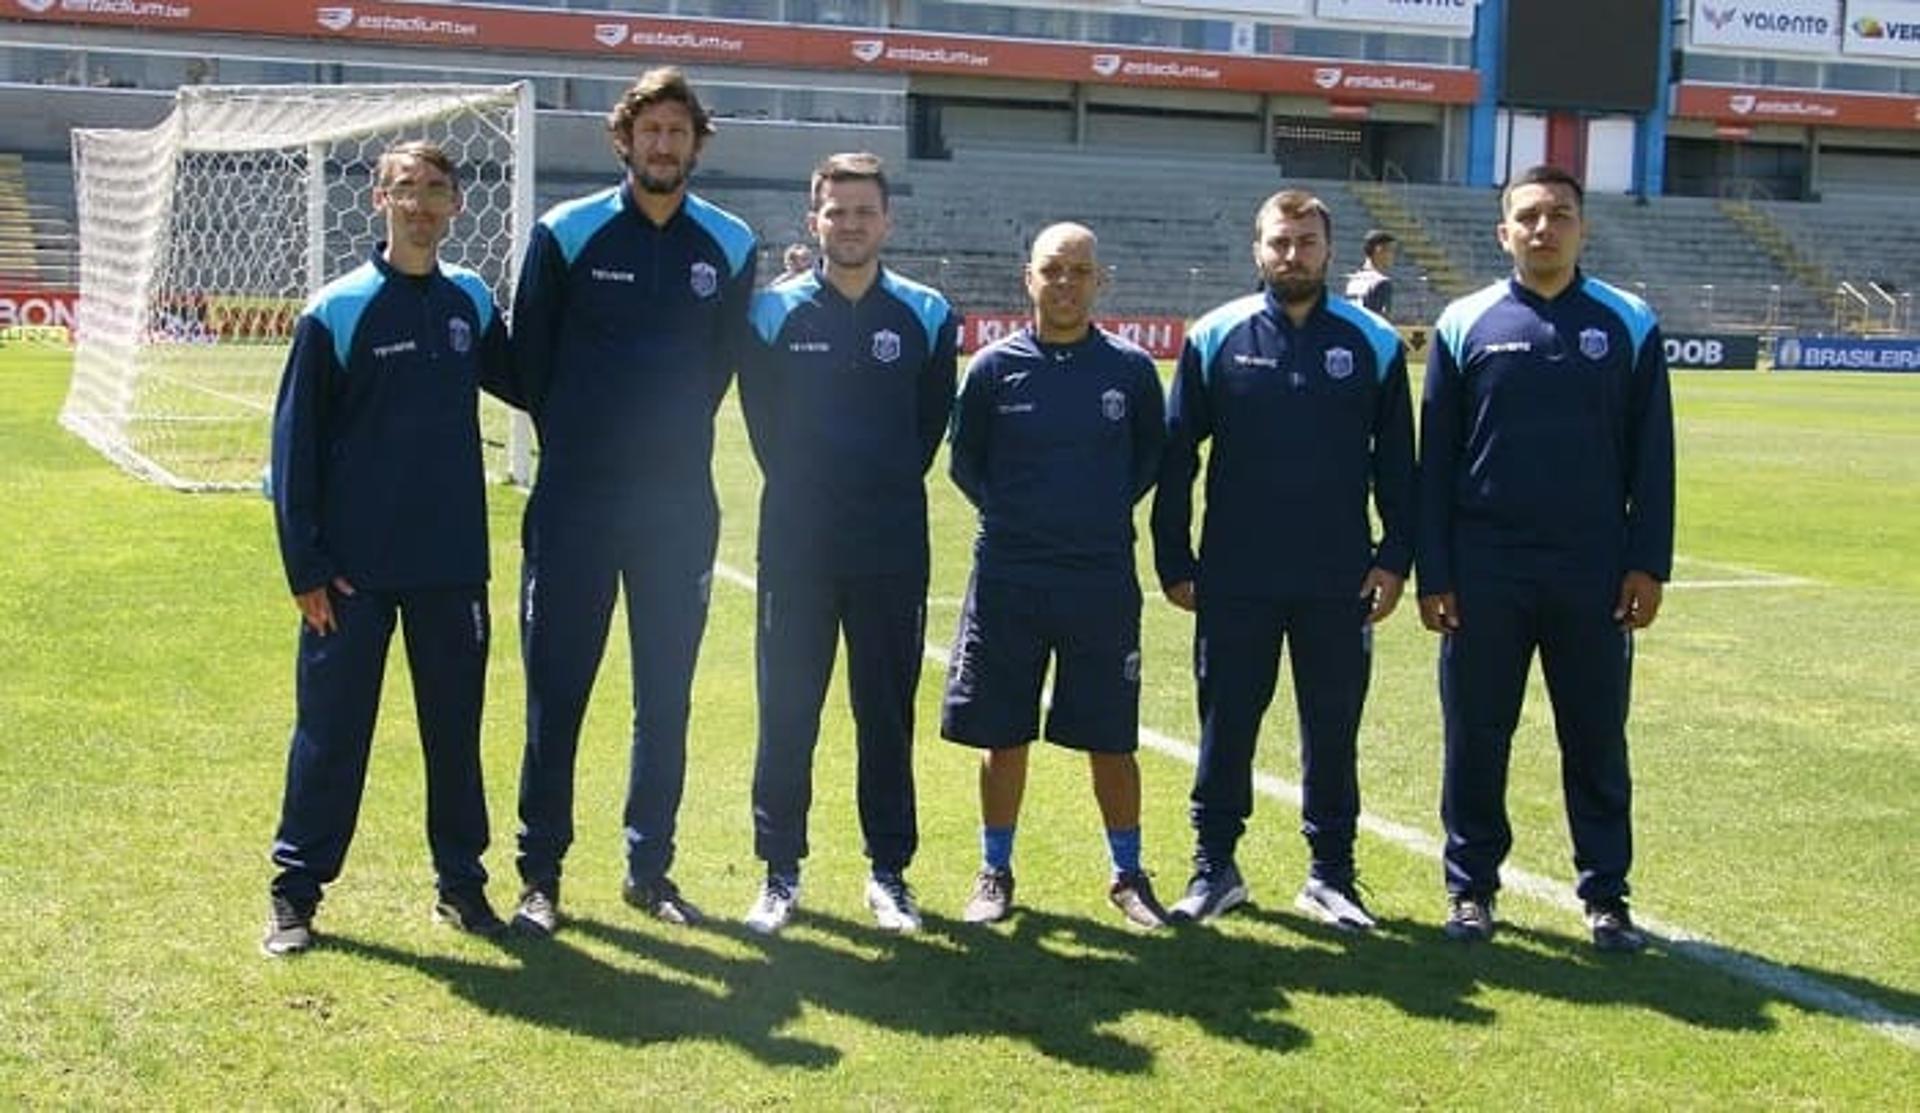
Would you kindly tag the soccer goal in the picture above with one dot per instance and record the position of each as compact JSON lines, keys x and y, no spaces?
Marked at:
{"x":202,"y":236}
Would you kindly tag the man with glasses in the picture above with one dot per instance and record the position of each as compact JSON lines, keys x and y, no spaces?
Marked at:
{"x":380,"y":504}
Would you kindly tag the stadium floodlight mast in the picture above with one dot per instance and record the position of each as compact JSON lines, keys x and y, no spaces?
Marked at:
{"x":201,"y":238}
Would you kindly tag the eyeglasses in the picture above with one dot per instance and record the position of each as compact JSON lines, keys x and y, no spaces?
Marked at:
{"x":432,"y":194}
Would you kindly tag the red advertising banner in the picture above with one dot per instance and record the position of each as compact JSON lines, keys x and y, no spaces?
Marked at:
{"x":1745,"y":105}
{"x":654,"y":38}
{"x":1160,"y":336}
{"x":37,"y":307}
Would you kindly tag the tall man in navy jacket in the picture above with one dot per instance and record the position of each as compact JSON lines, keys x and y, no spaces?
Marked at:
{"x":1056,"y":436}
{"x":380,"y":504}
{"x":1305,"y":399}
{"x":846,"y":395}
{"x":631,"y":309}
{"x":1546,"y":518}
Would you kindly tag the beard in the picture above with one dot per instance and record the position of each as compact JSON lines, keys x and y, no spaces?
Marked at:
{"x":1298,"y":285}
{"x":650,"y":182}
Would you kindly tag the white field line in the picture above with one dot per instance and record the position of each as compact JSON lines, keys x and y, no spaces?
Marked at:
{"x":1742,"y":577}
{"x":1803,"y":989}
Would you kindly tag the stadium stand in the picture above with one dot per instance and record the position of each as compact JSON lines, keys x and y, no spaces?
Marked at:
{"x":1175,"y":234}
{"x":37,"y":239}
{"x":17,"y":254}
{"x":1869,"y":243}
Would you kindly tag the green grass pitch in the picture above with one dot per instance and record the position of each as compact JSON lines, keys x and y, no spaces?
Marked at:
{"x":145,"y":697}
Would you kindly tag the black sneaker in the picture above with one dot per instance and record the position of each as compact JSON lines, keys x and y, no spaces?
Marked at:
{"x":539,"y":912}
{"x":1132,"y":894}
{"x":468,"y":910}
{"x":1612,"y":927}
{"x":661,"y":899}
{"x":289,"y":929}
{"x":1337,"y":904}
{"x":992,"y":898}
{"x":1214,"y":890}
{"x":1469,"y":919}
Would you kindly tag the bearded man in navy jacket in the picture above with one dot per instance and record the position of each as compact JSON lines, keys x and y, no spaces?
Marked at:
{"x":630,"y":313}
{"x":1305,"y":400}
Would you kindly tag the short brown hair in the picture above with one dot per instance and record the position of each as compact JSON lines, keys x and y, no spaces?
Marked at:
{"x":662,"y":83}
{"x":848,"y":166}
{"x":1293,"y":204}
{"x":1548,"y":176}
{"x":425,"y":151}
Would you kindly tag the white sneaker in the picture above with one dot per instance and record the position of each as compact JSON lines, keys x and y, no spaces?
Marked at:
{"x":891,"y":899}
{"x":779,"y":899}
{"x":1338,"y":905}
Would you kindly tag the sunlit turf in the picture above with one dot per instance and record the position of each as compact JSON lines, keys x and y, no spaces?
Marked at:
{"x":145,"y":695}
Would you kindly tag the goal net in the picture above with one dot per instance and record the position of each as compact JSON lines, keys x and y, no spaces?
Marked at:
{"x":202,"y":237}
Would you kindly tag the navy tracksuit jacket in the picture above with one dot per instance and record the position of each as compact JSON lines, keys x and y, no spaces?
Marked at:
{"x":1053,"y":444}
{"x":377,"y":481}
{"x":845,"y":403}
{"x":1305,"y":422}
{"x":625,"y":335}
{"x":1546,"y":475}
{"x":1056,"y":490}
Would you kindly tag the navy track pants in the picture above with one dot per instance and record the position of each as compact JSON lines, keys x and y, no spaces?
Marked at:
{"x":801,"y":618}
{"x":1587,"y":660}
{"x":337,"y":690}
{"x":568,"y":584}
{"x":1237,"y":647}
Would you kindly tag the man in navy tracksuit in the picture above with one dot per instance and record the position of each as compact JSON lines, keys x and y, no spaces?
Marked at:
{"x":380,"y":504}
{"x":1057,"y":434}
{"x":1546,"y":518}
{"x":1305,"y":399}
{"x":846,"y":393}
{"x":631,"y":309}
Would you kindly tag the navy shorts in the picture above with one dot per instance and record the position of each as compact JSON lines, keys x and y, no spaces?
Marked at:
{"x":1007,"y":634}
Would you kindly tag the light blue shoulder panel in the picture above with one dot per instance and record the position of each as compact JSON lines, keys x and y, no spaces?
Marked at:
{"x":1459,"y":318}
{"x":1381,"y":336}
{"x":1211,"y":330}
{"x":728,"y":230}
{"x":774,"y":304}
{"x":1634,"y":313}
{"x":927,"y":303}
{"x":476,"y":289}
{"x":574,"y":222}
{"x":339,"y":304}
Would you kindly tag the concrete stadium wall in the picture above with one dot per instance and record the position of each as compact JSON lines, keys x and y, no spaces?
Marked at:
{"x":38,"y":119}
{"x":576,"y":143}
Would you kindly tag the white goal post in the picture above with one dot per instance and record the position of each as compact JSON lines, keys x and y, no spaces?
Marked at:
{"x":202,"y":236}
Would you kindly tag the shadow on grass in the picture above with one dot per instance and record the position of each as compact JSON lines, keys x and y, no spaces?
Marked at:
{"x":1061,"y":985}
{"x":562,"y":987}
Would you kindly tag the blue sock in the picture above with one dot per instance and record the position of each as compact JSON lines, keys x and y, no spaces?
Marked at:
{"x":1125,"y":848}
{"x":996,"y":847}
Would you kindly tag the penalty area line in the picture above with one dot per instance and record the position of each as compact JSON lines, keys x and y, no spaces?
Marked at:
{"x":1802,"y":989}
